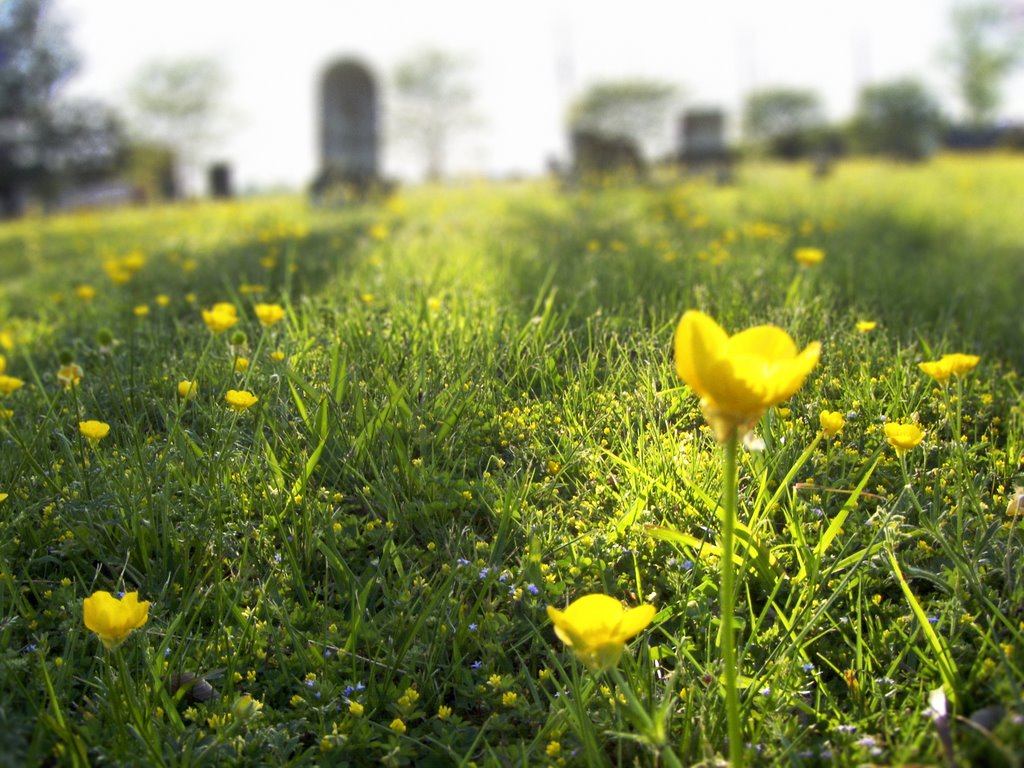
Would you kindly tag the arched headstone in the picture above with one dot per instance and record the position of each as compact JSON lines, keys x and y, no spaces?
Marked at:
{"x":348,"y":126}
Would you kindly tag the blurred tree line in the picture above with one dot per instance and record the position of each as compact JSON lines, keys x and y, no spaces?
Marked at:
{"x":902,"y":118}
{"x":45,"y":141}
{"x":50,"y":144}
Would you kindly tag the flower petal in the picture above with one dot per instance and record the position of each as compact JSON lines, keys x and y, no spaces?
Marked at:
{"x":634,"y":621}
{"x":764,"y":341}
{"x":698,"y":342}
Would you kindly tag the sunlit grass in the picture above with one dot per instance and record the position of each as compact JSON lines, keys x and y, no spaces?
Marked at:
{"x":466,"y":410}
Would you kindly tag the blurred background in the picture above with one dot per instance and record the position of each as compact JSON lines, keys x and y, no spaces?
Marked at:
{"x":146,"y":99}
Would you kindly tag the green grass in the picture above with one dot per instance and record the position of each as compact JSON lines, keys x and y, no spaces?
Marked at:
{"x":477,"y":415}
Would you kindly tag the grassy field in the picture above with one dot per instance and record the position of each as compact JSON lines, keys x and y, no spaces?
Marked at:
{"x":467,"y":412}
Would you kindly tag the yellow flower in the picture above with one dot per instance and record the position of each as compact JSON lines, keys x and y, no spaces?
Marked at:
{"x":832,"y":423}
{"x":277,"y":355}
{"x":241,"y":364}
{"x":597,"y":627}
{"x":240,"y":400}
{"x":245,"y":707}
{"x":444,"y":712}
{"x":739,"y":377}
{"x":85,"y":292}
{"x":70,"y":375}
{"x":112,"y":619}
{"x":141,"y":310}
{"x":903,"y":437}
{"x":959,"y":363}
{"x":188,"y":390}
{"x":9,"y":383}
{"x":398,"y":726}
{"x":940,"y":370}
{"x":355,"y":709}
{"x":809,"y":257}
{"x":93,"y":430}
{"x":3,"y":496}
{"x":269,"y":314}
{"x":956,"y":363}
{"x":220,"y":317}
{"x":162,"y":300}
{"x":866,"y":326}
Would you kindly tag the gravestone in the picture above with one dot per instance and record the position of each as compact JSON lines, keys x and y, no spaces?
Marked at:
{"x":702,"y":143}
{"x":596,"y":156}
{"x":219,"y":181}
{"x":348,"y":129}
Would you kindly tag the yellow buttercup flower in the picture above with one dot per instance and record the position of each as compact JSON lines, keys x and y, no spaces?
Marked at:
{"x":241,"y":364}
{"x":188,"y":390}
{"x":220,"y":317}
{"x":832,"y":423}
{"x":112,"y":619}
{"x":597,"y":627}
{"x":960,"y":363}
{"x":70,"y":375}
{"x":9,"y":384}
{"x":739,"y":377}
{"x":866,"y":326}
{"x":956,"y":363}
{"x":269,"y":314}
{"x":3,"y":364}
{"x":85,"y":292}
{"x":809,"y":257}
{"x":903,"y":437}
{"x":940,"y":370}
{"x":240,"y":400}
{"x":93,"y":430}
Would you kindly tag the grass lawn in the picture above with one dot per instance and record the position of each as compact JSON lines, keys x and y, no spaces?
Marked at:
{"x":354,"y":455}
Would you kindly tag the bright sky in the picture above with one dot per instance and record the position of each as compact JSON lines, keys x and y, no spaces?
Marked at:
{"x":530,"y":57}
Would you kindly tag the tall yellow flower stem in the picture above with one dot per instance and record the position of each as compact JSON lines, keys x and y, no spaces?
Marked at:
{"x":727,"y":601}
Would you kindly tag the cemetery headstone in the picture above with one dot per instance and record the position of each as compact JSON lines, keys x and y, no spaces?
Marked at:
{"x":595,"y":155}
{"x":702,"y":143}
{"x":348,"y":129}
{"x":219,"y":181}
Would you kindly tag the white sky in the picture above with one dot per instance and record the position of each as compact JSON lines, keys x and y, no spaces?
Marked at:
{"x":530,"y":57}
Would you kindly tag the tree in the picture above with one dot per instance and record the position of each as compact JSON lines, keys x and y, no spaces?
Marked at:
{"x":784,"y":120}
{"x":178,"y":103}
{"x":900,"y":119}
{"x":42,"y":140}
{"x":987,"y":43}
{"x":634,"y":110}
{"x":433,"y":102}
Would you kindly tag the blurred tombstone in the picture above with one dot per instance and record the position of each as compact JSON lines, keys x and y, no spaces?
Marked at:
{"x":702,"y":144}
{"x":348,"y":130}
{"x":596,"y":156}
{"x":218,"y":178}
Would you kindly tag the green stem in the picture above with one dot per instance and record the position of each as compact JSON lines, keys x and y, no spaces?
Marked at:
{"x":653,"y":728}
{"x":727,"y":596}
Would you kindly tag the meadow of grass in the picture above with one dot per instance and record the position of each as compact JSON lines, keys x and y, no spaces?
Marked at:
{"x":468,"y":412}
